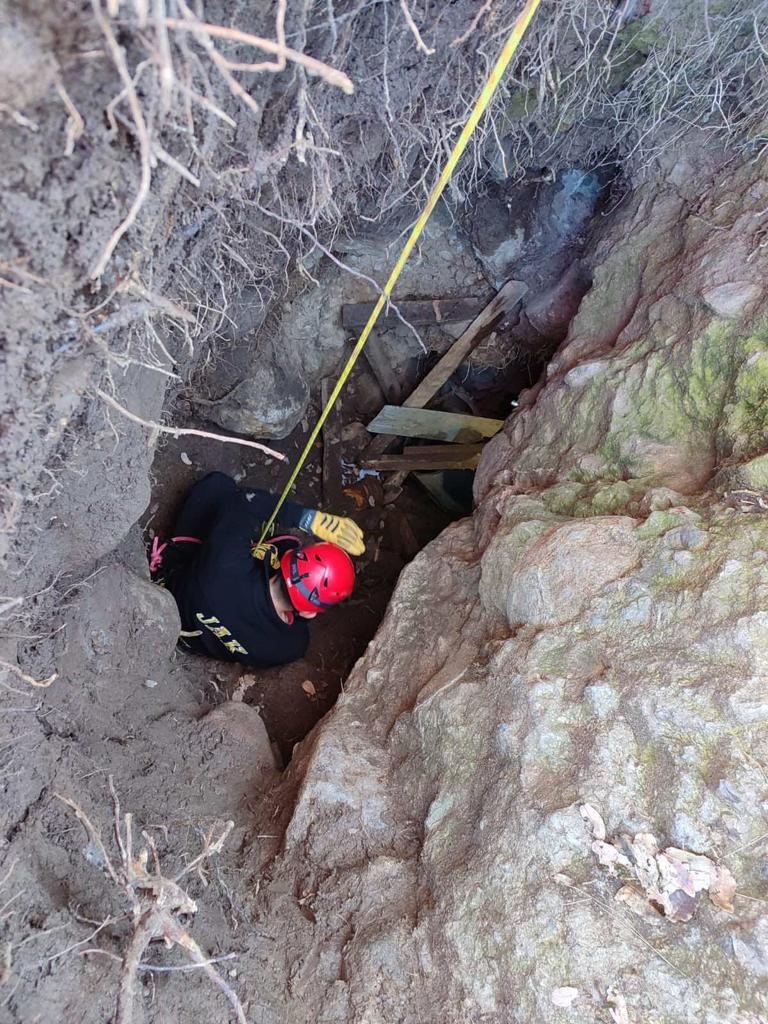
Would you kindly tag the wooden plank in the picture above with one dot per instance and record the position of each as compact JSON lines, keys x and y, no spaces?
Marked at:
{"x":429,"y":457}
{"x":354,"y":315}
{"x":333,"y":496}
{"x":505,"y":299}
{"x":503,"y":302}
{"x":432,"y":424}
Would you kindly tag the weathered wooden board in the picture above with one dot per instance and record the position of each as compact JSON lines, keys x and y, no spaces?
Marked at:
{"x":503,"y":302}
{"x":354,"y":315}
{"x":429,"y":457}
{"x":432,"y":424}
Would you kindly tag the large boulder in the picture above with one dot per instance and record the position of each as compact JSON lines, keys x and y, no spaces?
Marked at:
{"x":660,"y":379}
{"x":268,"y":403}
{"x":439,"y":809}
{"x":591,"y":637}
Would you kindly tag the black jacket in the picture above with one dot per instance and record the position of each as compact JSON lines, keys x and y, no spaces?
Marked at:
{"x":223,"y":591}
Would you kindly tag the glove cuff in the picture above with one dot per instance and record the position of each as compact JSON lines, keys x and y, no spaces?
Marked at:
{"x":305,"y":520}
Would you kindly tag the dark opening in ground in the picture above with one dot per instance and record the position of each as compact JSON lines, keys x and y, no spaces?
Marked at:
{"x":532,"y":231}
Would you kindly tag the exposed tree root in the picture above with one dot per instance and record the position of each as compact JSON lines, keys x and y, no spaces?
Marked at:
{"x":157,"y":904}
{"x":186,"y":431}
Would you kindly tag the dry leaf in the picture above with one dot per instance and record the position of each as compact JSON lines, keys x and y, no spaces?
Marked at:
{"x":592,"y":817}
{"x":673,"y":874}
{"x":723,"y":889}
{"x":642,"y":851}
{"x":637,"y":902}
{"x":564,"y":996}
{"x":609,"y":856}
{"x":678,"y":905}
{"x":671,"y":881}
{"x":185,"y":459}
{"x":308,"y":688}
{"x":701,"y":869}
{"x":646,"y":841}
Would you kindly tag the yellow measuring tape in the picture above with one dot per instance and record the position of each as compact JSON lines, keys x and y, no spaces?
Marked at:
{"x":518,"y":31}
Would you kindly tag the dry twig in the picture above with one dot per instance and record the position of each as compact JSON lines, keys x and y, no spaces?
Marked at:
{"x":142,"y":134}
{"x":157,"y":905}
{"x":315,"y":67}
{"x":28,"y":679}
{"x":186,"y":431}
{"x":428,"y":50}
{"x":75,"y":123}
{"x":473,"y":24}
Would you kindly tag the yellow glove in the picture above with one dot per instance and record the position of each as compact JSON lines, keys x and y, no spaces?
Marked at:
{"x":336,"y":529}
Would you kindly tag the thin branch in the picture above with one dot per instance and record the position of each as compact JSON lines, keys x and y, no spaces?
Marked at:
{"x":145,"y":145}
{"x":165,"y":73}
{"x":63,"y":952}
{"x":207,"y":104}
{"x":220,"y":62}
{"x":187,"y":432}
{"x":75,"y":123}
{"x":474,"y":23}
{"x":209,"y":848}
{"x":28,"y":679}
{"x":160,"y":969}
{"x":187,"y":943}
{"x":315,"y":67}
{"x":93,"y":834}
{"x":412,"y":26}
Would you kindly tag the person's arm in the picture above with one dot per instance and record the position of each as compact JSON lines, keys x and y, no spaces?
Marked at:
{"x":337,"y":530}
{"x":205,"y":500}
{"x":261,"y":505}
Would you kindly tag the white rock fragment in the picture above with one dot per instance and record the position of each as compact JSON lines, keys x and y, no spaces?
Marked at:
{"x":185,"y":459}
{"x":564,"y":996}
{"x":150,"y":684}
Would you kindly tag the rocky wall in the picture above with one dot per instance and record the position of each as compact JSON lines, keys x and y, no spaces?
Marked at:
{"x":595,"y":635}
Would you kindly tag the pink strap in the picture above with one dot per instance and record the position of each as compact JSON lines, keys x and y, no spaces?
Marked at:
{"x":158,"y":547}
{"x":156,"y":554}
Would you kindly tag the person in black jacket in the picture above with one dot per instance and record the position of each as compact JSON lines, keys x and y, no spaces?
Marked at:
{"x":241,"y":603}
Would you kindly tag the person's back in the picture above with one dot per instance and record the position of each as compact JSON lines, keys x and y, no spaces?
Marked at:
{"x":235,"y":606}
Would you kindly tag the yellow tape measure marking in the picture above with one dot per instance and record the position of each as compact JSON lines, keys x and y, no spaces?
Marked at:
{"x":518,"y":31}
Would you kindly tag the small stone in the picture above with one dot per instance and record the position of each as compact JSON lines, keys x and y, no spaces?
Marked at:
{"x":564,"y":996}
{"x":150,"y":684}
{"x":185,"y":459}
{"x":233,"y":973}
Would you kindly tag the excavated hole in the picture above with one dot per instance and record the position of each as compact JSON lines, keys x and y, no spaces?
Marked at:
{"x":532,"y":230}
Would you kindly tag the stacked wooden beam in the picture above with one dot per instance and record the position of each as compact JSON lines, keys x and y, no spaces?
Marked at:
{"x":413,"y":419}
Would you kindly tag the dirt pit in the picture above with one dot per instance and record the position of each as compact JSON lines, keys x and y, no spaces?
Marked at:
{"x":459,"y":264}
{"x":293,"y":698}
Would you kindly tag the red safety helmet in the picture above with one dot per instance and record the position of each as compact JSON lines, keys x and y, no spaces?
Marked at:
{"x":317,"y":576}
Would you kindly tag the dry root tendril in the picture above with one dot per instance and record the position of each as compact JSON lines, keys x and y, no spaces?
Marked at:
{"x":158,"y":905}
